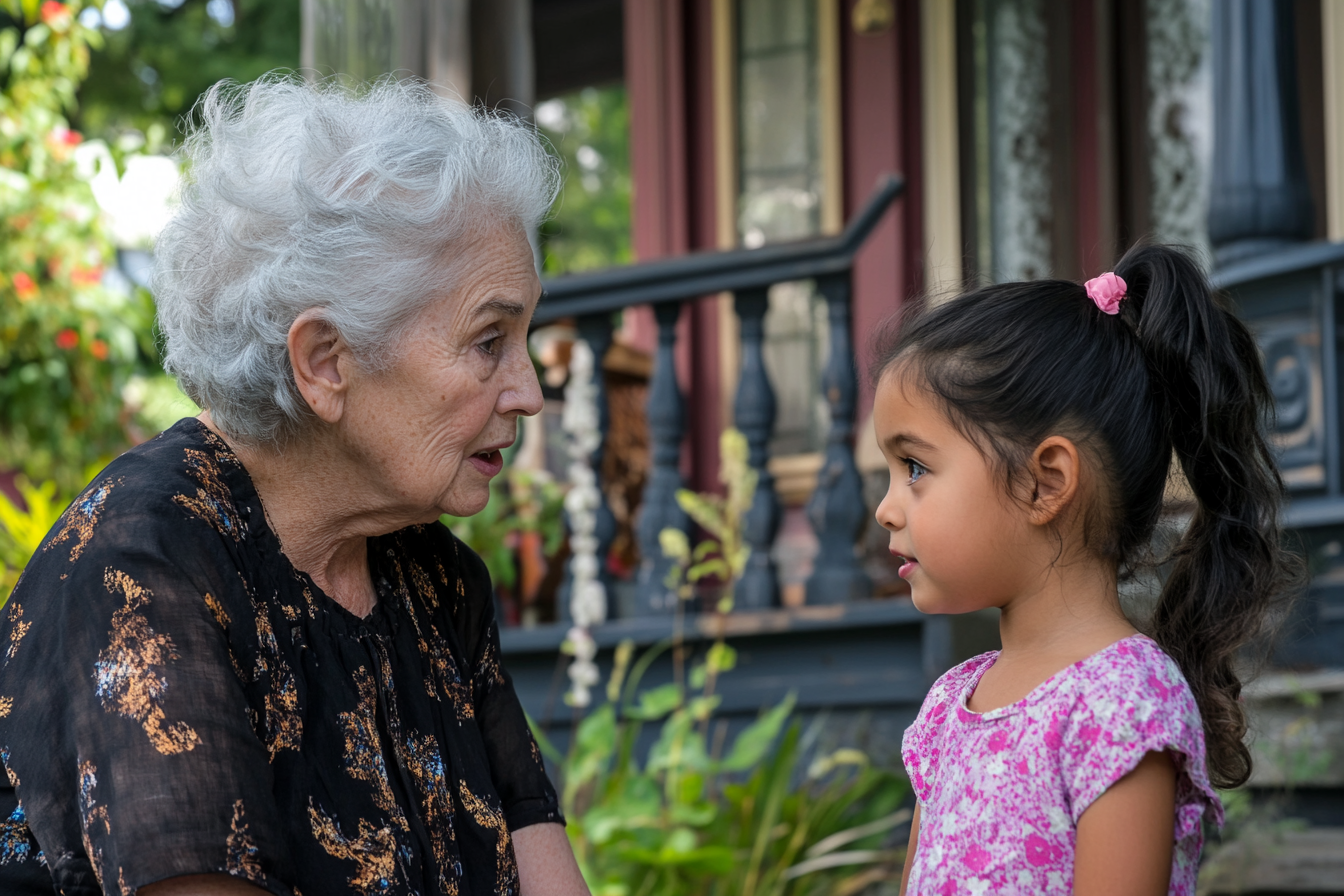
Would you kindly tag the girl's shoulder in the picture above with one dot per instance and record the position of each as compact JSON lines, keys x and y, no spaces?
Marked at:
{"x":1132,"y":670}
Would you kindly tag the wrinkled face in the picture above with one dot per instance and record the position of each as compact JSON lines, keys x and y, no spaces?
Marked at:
{"x":962,"y":540}
{"x":429,"y":430}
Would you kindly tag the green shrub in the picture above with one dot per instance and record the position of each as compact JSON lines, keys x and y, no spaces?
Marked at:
{"x":701,"y":816}
{"x":68,"y":344}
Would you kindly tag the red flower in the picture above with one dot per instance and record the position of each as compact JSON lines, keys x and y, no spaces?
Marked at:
{"x":24,"y":286}
{"x":98,"y":348}
{"x":67,"y":339}
{"x":82,"y":276}
{"x":55,"y":14}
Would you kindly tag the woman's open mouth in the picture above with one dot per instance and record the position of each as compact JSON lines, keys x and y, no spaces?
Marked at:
{"x":489,"y":462}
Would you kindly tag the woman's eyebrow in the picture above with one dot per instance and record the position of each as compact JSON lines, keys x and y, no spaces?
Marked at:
{"x":897,"y":442}
{"x":502,"y":307}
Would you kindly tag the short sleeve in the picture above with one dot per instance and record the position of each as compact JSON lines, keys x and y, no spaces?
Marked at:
{"x":922,"y":744}
{"x":1142,"y":706}
{"x":516,"y":767}
{"x":124,"y":721}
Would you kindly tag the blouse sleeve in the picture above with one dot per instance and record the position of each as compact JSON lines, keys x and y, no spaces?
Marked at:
{"x":516,"y":767}
{"x":1143,"y":707}
{"x":125,"y":722}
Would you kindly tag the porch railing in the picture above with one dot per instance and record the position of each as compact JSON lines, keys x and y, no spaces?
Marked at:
{"x":836,"y":509}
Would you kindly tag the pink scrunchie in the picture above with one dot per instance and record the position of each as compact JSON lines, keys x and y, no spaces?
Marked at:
{"x":1107,"y":291}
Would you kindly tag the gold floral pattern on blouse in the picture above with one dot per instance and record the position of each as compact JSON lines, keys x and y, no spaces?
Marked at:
{"x":284,"y":724}
{"x":242,"y":860}
{"x":491,"y":818}
{"x":19,"y":630}
{"x":443,"y":679}
{"x":81,"y":517}
{"x":364,"y":759}
{"x":92,"y":816}
{"x":424,"y":761}
{"x":489,"y":671}
{"x":373,"y":850}
{"x":130,"y":670}
{"x":213,"y":502}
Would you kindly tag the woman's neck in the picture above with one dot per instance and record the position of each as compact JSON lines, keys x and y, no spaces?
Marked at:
{"x":322,"y":511}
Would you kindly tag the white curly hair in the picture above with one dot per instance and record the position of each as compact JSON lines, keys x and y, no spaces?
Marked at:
{"x":301,"y":196}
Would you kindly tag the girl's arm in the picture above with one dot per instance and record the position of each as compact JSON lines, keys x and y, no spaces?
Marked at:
{"x":1126,"y":837}
{"x":910,"y":850}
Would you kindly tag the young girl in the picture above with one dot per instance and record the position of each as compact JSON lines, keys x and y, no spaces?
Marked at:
{"x":1030,"y":430}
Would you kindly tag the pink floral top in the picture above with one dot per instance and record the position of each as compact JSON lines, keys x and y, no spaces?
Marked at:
{"x":1000,"y":793}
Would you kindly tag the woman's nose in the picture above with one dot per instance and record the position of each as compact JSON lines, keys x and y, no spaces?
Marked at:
{"x":523,"y":395}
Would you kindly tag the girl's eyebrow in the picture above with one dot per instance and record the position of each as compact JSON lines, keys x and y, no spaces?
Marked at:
{"x":897,"y":442}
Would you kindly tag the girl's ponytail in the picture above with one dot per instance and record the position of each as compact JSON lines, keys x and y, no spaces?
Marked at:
{"x":1230,"y":567}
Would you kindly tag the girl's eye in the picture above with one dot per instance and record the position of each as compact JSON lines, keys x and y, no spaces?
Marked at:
{"x":916,"y":469}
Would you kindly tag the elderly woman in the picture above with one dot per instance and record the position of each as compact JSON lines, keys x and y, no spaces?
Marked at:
{"x":248,"y":658}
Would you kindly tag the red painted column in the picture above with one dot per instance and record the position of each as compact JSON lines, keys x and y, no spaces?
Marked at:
{"x":882,"y":133}
{"x":668,"y":62}
{"x":1094,"y":251}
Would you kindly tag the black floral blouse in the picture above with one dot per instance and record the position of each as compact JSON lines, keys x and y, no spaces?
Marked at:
{"x":176,"y":699}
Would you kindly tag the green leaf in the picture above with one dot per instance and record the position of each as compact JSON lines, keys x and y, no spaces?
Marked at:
{"x":656,"y":703}
{"x":702,"y":708}
{"x":699,"y":675}
{"x":721,"y":658}
{"x":594,"y":743}
{"x":674,"y":543}
{"x":715,"y":567}
{"x":707,"y":510}
{"x":679,"y":746}
{"x":751,"y":745}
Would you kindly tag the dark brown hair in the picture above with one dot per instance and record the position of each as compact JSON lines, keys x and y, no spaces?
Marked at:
{"x":1174,"y":371}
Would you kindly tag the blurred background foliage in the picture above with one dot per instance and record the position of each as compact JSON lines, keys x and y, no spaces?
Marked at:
{"x":69,"y":343}
{"x":590,"y":224}
{"x":158,"y":56}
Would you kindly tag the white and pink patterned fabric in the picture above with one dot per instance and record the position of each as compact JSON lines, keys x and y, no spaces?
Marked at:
{"x":1001,"y":792}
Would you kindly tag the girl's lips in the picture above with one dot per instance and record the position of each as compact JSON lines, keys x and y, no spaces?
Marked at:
{"x":907,"y":567}
{"x":488,"y":462}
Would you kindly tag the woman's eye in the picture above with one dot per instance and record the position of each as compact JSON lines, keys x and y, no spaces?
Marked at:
{"x":916,"y":469}
{"x":491,"y":345}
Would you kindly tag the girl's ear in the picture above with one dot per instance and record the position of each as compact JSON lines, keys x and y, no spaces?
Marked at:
{"x":1056,"y":470}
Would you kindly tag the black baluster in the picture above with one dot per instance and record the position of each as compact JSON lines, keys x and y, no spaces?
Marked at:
{"x":754,"y":414}
{"x":837,"y":510}
{"x":659,"y":508}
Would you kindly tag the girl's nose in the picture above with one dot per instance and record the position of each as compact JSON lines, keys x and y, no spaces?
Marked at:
{"x":889,"y":512}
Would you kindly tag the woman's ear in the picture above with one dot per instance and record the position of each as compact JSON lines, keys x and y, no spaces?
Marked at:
{"x":319,"y":358}
{"x":1056,"y":470}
